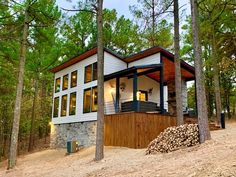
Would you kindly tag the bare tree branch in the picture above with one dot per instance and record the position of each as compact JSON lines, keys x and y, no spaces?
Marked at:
{"x":77,"y":10}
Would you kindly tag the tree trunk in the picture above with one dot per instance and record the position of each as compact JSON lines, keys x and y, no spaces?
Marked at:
{"x":178,"y":80}
{"x":209,"y":95}
{"x":228,"y":106}
{"x":216,"y":78}
{"x":100,"y":58}
{"x":153,"y":24}
{"x":19,"y":89}
{"x":32,"y":127}
{"x":3,"y":111}
{"x":200,"y":81}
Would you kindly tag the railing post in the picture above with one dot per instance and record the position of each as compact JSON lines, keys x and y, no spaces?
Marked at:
{"x":117,"y":104}
{"x":135,"y":89}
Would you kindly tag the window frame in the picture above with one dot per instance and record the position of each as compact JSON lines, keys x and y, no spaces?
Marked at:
{"x":56,"y":91}
{"x":71,"y":114}
{"x":57,"y":107}
{"x":67,"y":75}
{"x":71,"y":78}
{"x":93,"y":78}
{"x":93,"y":88}
{"x":91,"y":99}
{"x":84,"y":112}
{"x":146,"y":94}
{"x":62,"y":104}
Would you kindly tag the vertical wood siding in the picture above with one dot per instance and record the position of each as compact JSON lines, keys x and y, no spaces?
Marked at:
{"x":134,"y":130}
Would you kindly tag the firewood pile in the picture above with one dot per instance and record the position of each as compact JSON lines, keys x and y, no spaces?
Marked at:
{"x":174,"y":138}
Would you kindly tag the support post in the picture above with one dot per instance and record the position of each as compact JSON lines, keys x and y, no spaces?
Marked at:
{"x":117,"y":105}
{"x":161,"y":91}
{"x":135,"y":89}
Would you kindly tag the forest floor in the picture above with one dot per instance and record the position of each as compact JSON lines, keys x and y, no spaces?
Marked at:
{"x":214,"y":158}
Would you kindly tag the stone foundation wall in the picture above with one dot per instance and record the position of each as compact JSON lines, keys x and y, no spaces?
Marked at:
{"x":84,"y":132}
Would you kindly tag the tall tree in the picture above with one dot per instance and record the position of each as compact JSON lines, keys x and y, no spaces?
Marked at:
{"x":178,"y":79}
{"x":149,"y":14}
{"x":199,"y":77}
{"x":100,"y":60}
{"x":36,"y":15}
{"x":213,"y":11}
{"x":19,"y":88}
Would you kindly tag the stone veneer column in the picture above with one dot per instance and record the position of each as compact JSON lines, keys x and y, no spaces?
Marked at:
{"x":84,"y":132}
{"x":171,"y":97}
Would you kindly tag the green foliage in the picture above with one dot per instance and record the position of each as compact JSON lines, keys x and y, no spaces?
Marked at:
{"x":216,"y":17}
{"x":155,"y":30}
{"x":79,"y":33}
{"x":44,"y":48}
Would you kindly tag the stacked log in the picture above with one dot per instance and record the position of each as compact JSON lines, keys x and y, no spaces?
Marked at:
{"x":174,"y":138}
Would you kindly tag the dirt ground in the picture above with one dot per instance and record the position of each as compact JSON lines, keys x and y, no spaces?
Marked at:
{"x":216,"y":157}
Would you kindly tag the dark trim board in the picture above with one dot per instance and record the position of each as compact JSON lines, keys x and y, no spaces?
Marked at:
{"x":146,"y":72}
{"x":131,"y":70}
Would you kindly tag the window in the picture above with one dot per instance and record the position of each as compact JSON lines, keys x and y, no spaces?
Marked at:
{"x":56,"y":107}
{"x":90,"y":73}
{"x":142,"y":95}
{"x":57,"y":84}
{"x":95,"y":67}
{"x":94,"y":99}
{"x":90,"y":100}
{"x":65,"y":82}
{"x":73,"y":82}
{"x":87,"y":100}
{"x":63,"y":105}
{"x":72,"y":103}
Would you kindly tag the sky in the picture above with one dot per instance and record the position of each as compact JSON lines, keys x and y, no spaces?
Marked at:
{"x":121,"y":6}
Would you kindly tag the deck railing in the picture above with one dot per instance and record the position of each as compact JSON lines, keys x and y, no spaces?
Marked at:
{"x":126,"y":105}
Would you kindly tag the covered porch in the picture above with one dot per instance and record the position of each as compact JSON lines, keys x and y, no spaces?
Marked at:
{"x":152,"y":87}
{"x":138,"y":98}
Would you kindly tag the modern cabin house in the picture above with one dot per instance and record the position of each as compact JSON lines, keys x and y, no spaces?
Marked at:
{"x":143,"y":82}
